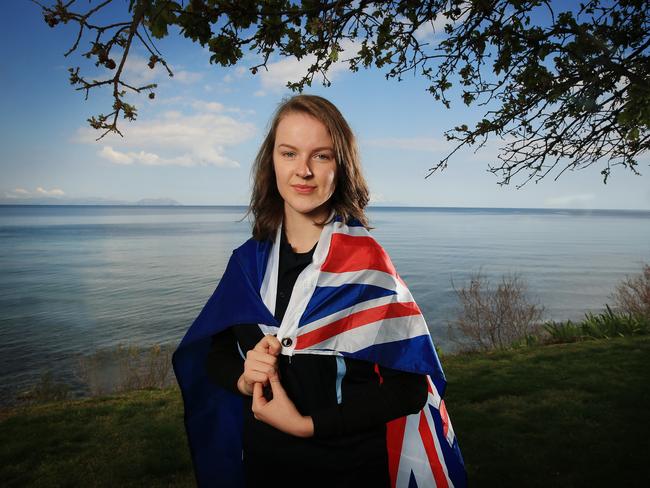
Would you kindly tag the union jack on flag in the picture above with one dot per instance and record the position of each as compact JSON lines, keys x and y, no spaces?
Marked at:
{"x":422,"y":447}
{"x":349,"y":301}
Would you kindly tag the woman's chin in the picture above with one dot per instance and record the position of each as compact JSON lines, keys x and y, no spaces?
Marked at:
{"x":309,"y":210}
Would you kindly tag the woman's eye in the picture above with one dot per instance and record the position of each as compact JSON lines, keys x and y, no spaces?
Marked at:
{"x":287,"y":154}
{"x":323,"y":156}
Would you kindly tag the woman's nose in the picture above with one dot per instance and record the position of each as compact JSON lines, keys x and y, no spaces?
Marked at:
{"x":303,"y":169}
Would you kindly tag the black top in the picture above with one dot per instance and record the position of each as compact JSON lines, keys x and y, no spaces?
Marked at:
{"x":349,"y":401}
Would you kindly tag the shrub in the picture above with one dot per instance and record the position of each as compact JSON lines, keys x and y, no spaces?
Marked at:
{"x":125,"y":368}
{"x":632,"y":295}
{"x":610,"y":324}
{"x":46,"y":390}
{"x":497,"y":318}
{"x":144,"y":368}
{"x":563,"y":332}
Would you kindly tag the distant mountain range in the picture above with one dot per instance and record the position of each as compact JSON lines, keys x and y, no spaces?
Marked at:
{"x":85,"y":201}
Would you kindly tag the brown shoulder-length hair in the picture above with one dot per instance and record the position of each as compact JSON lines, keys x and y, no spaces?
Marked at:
{"x":350,"y":195}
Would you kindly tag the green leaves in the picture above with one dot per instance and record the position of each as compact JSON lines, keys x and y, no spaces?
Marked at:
{"x":567,"y":88}
{"x":226,"y":50}
{"x":160,"y":15}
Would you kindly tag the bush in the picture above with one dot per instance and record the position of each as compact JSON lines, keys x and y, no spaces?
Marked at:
{"x":632,"y":296}
{"x":563,"y":332}
{"x":125,"y":368}
{"x":46,"y":390}
{"x":497,"y":318}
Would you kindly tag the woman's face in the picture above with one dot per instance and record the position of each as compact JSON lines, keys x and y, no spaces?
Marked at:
{"x":304,"y":164}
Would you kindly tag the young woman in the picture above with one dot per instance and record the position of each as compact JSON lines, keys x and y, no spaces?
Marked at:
{"x":315,"y":342}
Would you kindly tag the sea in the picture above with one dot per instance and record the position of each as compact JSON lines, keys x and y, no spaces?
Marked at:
{"x":75,"y":280}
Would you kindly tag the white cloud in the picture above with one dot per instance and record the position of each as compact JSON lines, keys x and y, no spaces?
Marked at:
{"x":172,"y":114}
{"x":114,"y":156}
{"x":200,"y":105}
{"x":235,"y":74}
{"x":238,"y":110}
{"x":40,"y":191}
{"x":292,"y":69}
{"x":175,"y":139}
{"x":280,"y":72}
{"x":435,"y":29}
{"x":569,"y":199}
{"x":138,"y":73}
{"x":142,"y":157}
{"x":55,"y":192}
{"x":187,"y":77}
{"x":432,"y":30}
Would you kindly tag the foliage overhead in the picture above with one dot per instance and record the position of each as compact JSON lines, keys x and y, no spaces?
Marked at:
{"x":563,"y":85}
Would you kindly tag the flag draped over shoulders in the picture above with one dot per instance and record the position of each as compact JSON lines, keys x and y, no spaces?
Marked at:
{"x":349,"y":301}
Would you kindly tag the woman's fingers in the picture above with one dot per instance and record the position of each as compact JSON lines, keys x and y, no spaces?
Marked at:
{"x":261,"y":362}
{"x":261,"y":357}
{"x":256,"y":377}
{"x":258,"y":398}
{"x":276,"y":386}
{"x":253,"y":365}
{"x":274,"y":345}
{"x":269,"y":344}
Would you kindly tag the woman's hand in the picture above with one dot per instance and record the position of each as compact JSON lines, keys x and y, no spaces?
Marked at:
{"x":261,"y":363}
{"x":280,"y":412}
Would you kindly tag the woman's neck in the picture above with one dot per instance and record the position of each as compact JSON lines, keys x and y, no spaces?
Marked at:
{"x":301,"y":231}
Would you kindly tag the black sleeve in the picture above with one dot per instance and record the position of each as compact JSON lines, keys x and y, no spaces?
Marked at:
{"x":224,"y":364}
{"x":397,"y":395}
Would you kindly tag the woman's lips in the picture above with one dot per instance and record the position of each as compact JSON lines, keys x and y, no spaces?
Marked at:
{"x":303,"y":188}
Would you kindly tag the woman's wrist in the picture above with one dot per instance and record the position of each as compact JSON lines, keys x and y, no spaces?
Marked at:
{"x":306,"y":427}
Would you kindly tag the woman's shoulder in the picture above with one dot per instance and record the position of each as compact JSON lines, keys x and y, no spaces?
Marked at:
{"x":350,"y":221}
{"x":253,"y":247}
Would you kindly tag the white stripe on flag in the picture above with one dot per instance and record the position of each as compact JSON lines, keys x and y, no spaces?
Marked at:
{"x":374,"y":333}
{"x":351,"y":230}
{"x":341,"y":314}
{"x":441,"y":458}
{"x":434,"y":396}
{"x":414,"y":457}
{"x":435,"y":400}
{"x":360,"y":277}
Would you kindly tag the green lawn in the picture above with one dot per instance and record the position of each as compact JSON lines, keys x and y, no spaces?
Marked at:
{"x":136,"y":439}
{"x":559,"y":415}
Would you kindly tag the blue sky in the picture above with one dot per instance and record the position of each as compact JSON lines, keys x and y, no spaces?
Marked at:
{"x":196,"y":141}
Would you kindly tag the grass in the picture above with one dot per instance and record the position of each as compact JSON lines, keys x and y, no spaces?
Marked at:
{"x":133,"y":439}
{"x":598,"y":326}
{"x":566,"y":415}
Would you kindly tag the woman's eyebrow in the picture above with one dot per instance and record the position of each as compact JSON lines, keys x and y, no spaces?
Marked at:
{"x":315,"y":149}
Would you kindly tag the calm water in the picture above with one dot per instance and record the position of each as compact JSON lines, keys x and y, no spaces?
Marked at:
{"x":74,"y":279}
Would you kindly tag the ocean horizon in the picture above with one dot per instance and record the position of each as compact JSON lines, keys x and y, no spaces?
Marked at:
{"x":369,"y":207}
{"x":77,"y":279}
